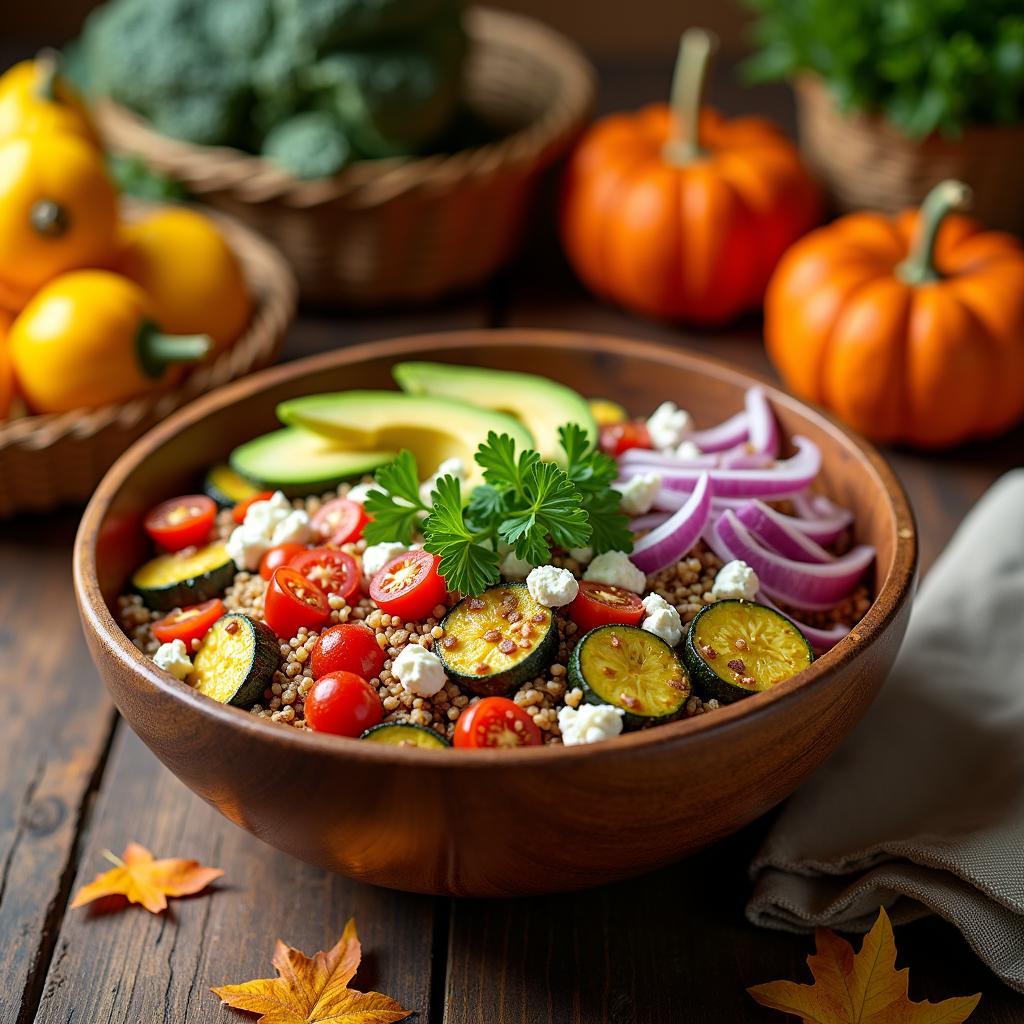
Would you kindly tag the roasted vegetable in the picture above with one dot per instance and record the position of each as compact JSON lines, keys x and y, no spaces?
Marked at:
{"x":236,"y":661}
{"x":496,"y":641}
{"x":405,"y":734}
{"x":185,"y":578}
{"x":736,"y":648}
{"x":629,"y":668}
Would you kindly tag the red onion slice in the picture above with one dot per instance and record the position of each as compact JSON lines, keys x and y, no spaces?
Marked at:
{"x":822,"y":640}
{"x":727,"y":434}
{"x":777,"y":533}
{"x":648,"y":522}
{"x":671,"y":540}
{"x":813,"y":587}
{"x":764,"y":431}
{"x":643,"y":459}
{"x":784,"y":478}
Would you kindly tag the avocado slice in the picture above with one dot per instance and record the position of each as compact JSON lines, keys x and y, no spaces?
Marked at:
{"x":433,"y":429}
{"x":300,"y":463}
{"x":541,"y":405}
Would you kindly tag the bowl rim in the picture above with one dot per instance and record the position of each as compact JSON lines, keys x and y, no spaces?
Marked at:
{"x":895,"y":590}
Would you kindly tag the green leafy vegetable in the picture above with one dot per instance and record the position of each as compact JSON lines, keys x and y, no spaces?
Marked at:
{"x":526,"y":503}
{"x":394,"y":509}
{"x":467,"y":564}
{"x":927,"y":65}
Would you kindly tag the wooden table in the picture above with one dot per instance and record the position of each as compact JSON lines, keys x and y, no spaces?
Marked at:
{"x":669,"y":947}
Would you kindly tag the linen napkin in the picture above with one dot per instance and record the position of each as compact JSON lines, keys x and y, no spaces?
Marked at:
{"x":922,"y":808}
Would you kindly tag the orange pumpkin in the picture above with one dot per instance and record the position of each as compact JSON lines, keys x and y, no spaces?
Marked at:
{"x":677,"y":212}
{"x":909,"y":328}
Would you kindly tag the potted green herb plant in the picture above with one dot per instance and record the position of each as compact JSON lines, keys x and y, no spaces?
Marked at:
{"x":896,"y":95}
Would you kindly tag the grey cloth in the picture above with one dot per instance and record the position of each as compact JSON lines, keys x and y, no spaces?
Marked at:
{"x":922,"y":808}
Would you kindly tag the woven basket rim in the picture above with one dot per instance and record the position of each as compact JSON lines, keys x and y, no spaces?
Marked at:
{"x":812,"y":88}
{"x":369,"y":183}
{"x":275,"y":295}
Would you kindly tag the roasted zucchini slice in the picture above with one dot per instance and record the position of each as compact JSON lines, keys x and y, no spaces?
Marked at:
{"x":228,"y":487}
{"x":629,"y":668}
{"x":495,"y":642}
{"x":404,"y":734}
{"x":185,"y":577}
{"x":236,"y":660}
{"x":736,"y":648}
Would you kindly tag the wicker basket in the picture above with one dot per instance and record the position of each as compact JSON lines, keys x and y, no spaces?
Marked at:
{"x":866,"y":163}
{"x":406,"y":229}
{"x":53,"y":460}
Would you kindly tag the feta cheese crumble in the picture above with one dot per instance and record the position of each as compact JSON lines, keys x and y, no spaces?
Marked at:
{"x":662,"y":619}
{"x":668,"y":425}
{"x":376,"y":556}
{"x":419,"y":671}
{"x":589,"y":723}
{"x":638,"y":495}
{"x":688,"y":450}
{"x":267,"y":524}
{"x":173,"y":658}
{"x":513,"y":567}
{"x":615,"y":569}
{"x":582,"y":555}
{"x":551,"y":586}
{"x":360,"y":492}
{"x":450,"y":467}
{"x":736,"y":581}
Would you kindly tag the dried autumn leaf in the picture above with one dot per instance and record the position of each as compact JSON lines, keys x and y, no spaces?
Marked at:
{"x":861,"y":988}
{"x":314,"y":990}
{"x":144,"y":880}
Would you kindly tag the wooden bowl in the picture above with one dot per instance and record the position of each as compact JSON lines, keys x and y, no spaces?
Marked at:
{"x":487,"y":823}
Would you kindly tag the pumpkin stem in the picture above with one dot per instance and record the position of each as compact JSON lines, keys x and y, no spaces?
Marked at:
{"x":157,"y":350}
{"x":695,"y":50}
{"x":48,"y":64}
{"x":919,"y":266}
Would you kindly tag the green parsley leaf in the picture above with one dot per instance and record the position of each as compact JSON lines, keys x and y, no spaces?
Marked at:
{"x":394,"y":509}
{"x":553,"y":509}
{"x":486,"y":505}
{"x":502,"y":470}
{"x":609,"y":527}
{"x":467,"y":565}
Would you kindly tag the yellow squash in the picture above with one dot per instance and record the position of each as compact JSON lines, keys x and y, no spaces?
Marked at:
{"x":35,"y":97}
{"x":85,"y":340}
{"x":190,"y":275}
{"x":6,"y":374}
{"x":58,"y":212}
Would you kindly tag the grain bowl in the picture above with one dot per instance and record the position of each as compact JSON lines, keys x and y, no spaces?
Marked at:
{"x":495,"y":822}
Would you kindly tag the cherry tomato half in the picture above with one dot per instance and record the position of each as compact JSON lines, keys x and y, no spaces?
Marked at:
{"x":292,"y":602}
{"x":348,"y":647}
{"x":616,"y":438}
{"x":181,"y":522}
{"x":334,"y":572}
{"x":278,"y":556}
{"x":340,"y":521}
{"x":496,"y":722}
{"x":344,"y":704}
{"x":600,"y":604}
{"x":189,"y":624}
{"x":239,"y":511}
{"x":409,"y":586}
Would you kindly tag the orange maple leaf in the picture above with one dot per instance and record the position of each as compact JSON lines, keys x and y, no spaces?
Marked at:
{"x":144,"y":880}
{"x":314,"y":990}
{"x":861,"y":988}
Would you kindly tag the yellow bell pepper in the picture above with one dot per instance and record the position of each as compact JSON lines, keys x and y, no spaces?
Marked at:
{"x":190,"y":275}
{"x":6,"y":373}
{"x":58,"y":212}
{"x":35,"y":97}
{"x":86,"y":339}
{"x":606,"y":412}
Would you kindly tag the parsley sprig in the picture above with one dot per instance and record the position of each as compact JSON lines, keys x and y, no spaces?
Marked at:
{"x":526,"y":503}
